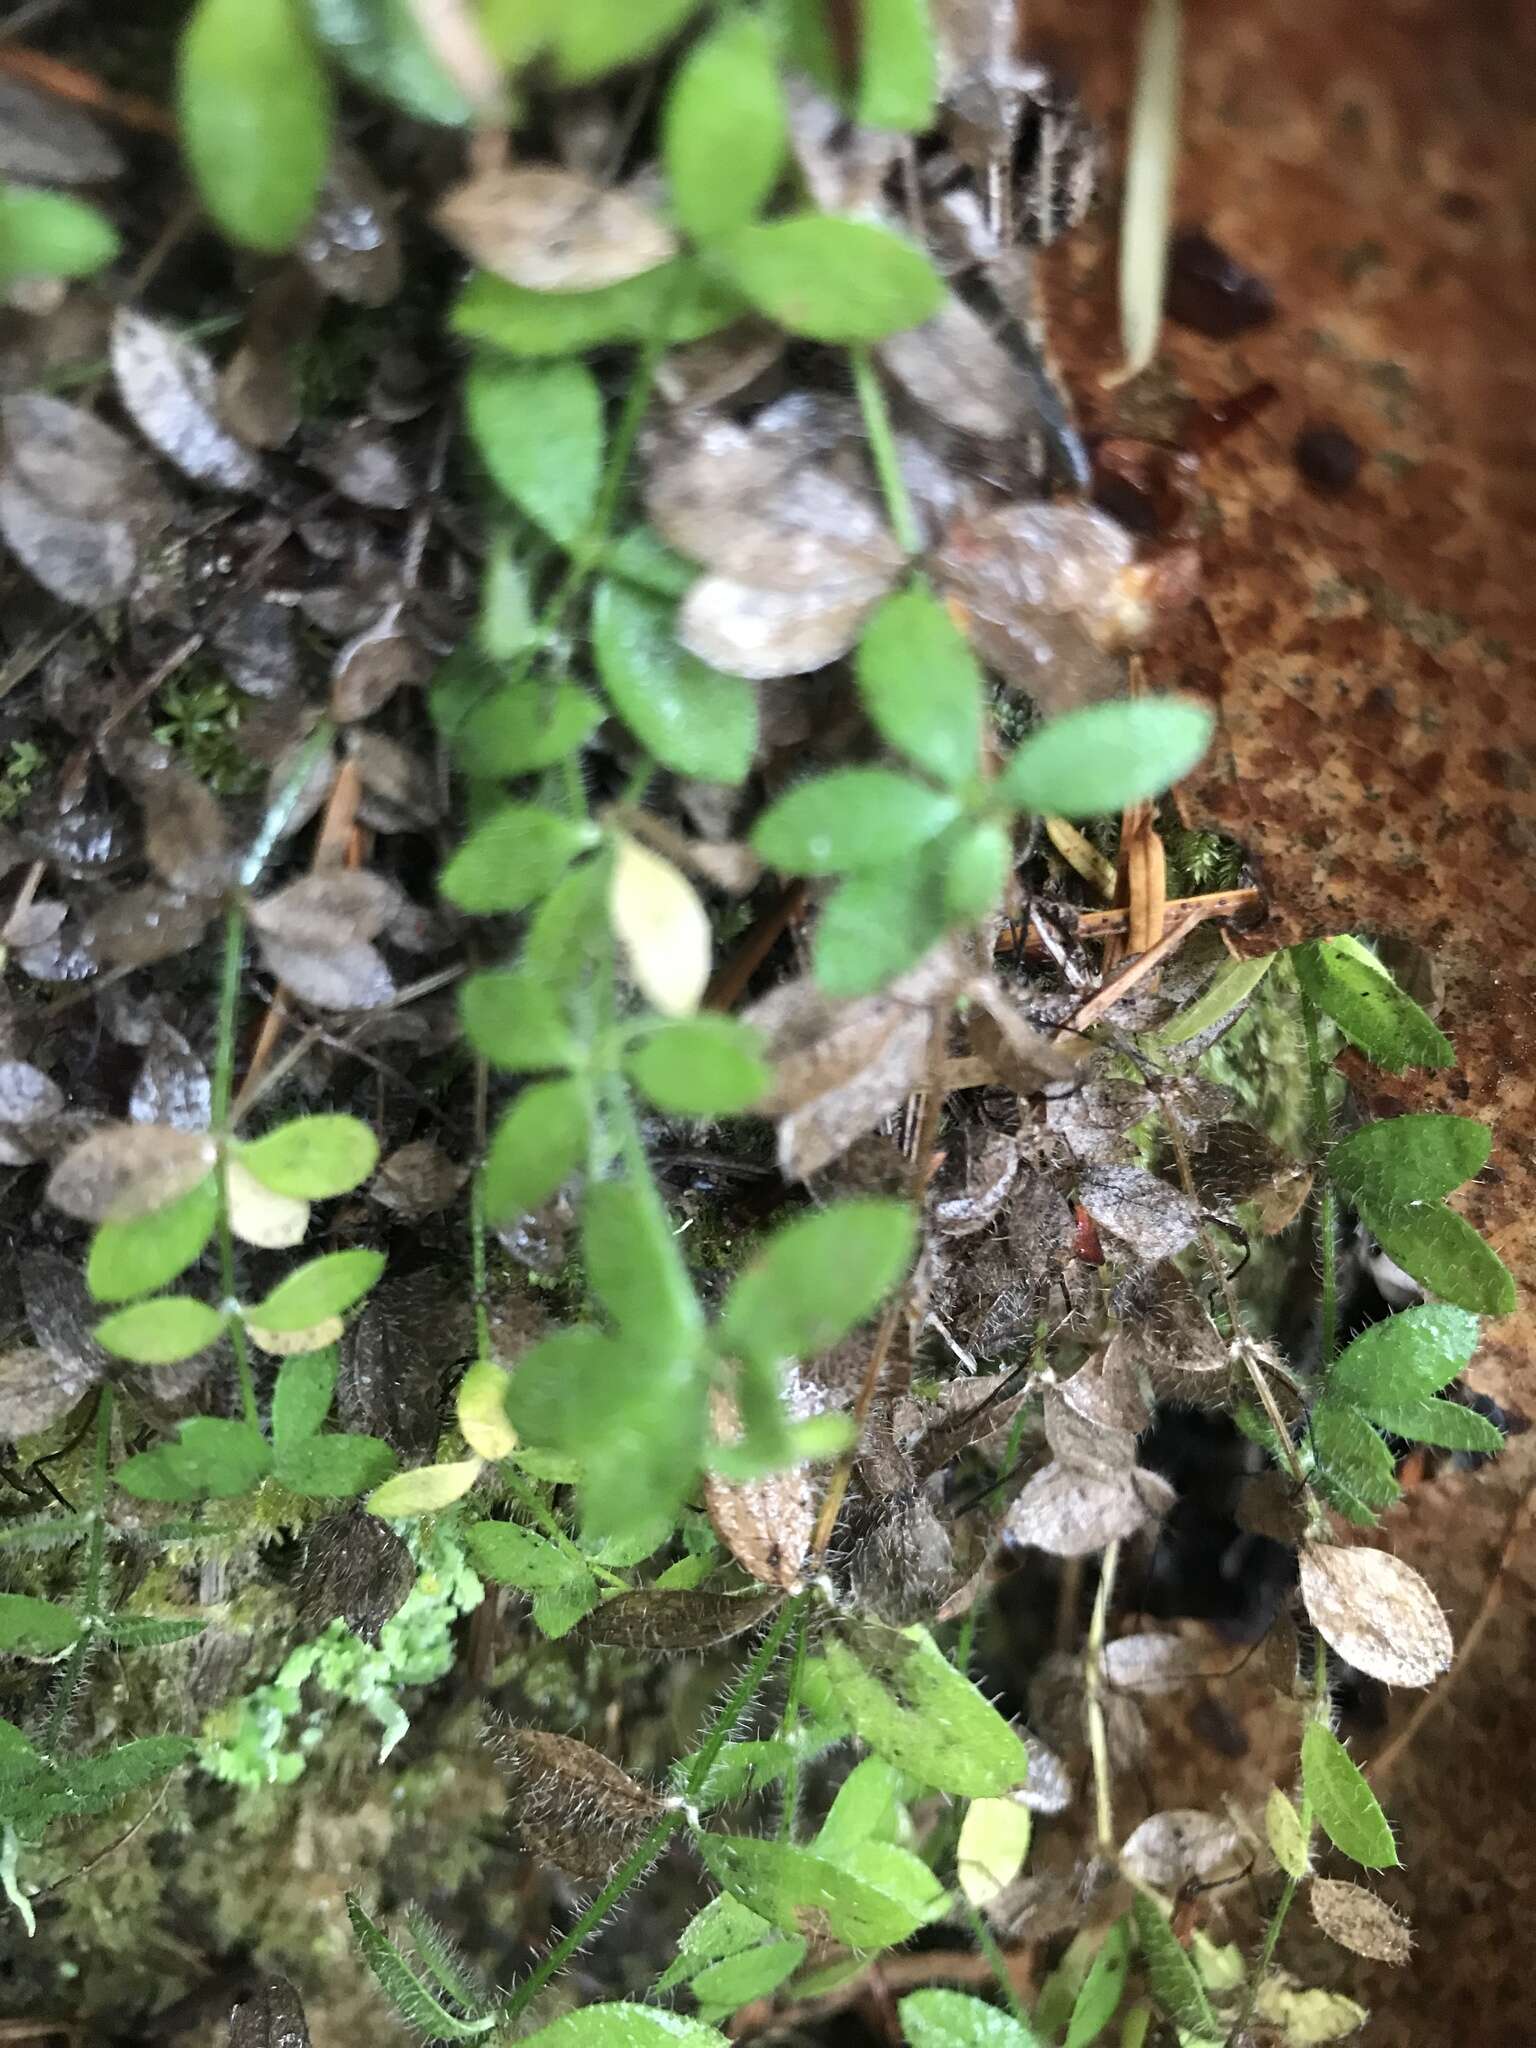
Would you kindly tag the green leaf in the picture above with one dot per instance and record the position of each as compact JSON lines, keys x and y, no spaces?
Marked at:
{"x":95,"y":1784}
{"x":1171,"y":1974}
{"x":538,"y":1144}
{"x":416,"y":2004}
{"x":921,"y":685}
{"x":756,"y":1973}
{"x":255,"y":117}
{"x":1107,"y":756}
{"x":815,"y":1279}
{"x":634,"y":1267}
{"x":327,"y":1286}
{"x":1099,"y":1998}
{"x":600,"y":35}
{"x":876,"y":925}
{"x":514,"y":1556}
{"x":953,"y":2019}
{"x":1404,"y":1161}
{"x":977,"y":857}
{"x":568,"y":933}
{"x":35,"y":1628}
{"x":46,"y":234}
{"x":898,"y":70}
{"x":481,"y":1407}
{"x":1409,"y":1356}
{"x":511,"y":860}
{"x":335,"y":1467}
{"x":523,"y":727}
{"x":740,"y":1769}
{"x":540,"y":435}
{"x":301,"y":1399}
{"x":1446,"y":1256}
{"x":380,"y":42}
{"x":624,"y":2026}
{"x":423,"y":1491}
{"x":127,"y":1259}
{"x":1347,"y":1809}
{"x":802,"y":1893}
{"x":909,"y":1704}
{"x":994,"y":1841}
{"x":210,"y":1457}
{"x":695,"y":720}
{"x":1231,"y":984}
{"x":1446,"y":1424}
{"x":515,"y":1019}
{"x":1349,"y":983}
{"x":313,"y":1157}
{"x":700,"y":1066}
{"x":853,"y":818}
{"x":150,"y":1631}
{"x":557,"y":1609}
{"x":833,"y":280}
{"x":724,"y":129}
{"x":506,"y":627}
{"x":162,"y":1331}
{"x":725,"y":1927}
{"x":1355,"y":1467}
{"x":868,"y":1807}
{"x":680,"y":299}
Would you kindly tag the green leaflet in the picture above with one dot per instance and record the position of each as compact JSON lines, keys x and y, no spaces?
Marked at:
{"x":682,"y":296}
{"x":634,"y":1267}
{"x":898,"y":71}
{"x":1100,"y":759}
{"x":380,"y":42}
{"x":724,"y":128}
{"x":210,"y":1458}
{"x":255,"y":111}
{"x":1354,"y":1466}
{"x":867,"y":1807}
{"x":35,"y":1628}
{"x":1396,"y":1173}
{"x":128,"y":1259}
{"x":953,"y":2019}
{"x":323,"y":1287}
{"x":1409,"y":1356}
{"x":921,"y":685}
{"x":521,"y":728}
{"x":313,"y":1157}
{"x":909,"y":1704}
{"x":691,"y":717}
{"x":538,"y":1144}
{"x":413,"y":2000}
{"x":1349,"y":984}
{"x":95,"y":1784}
{"x":600,"y":35}
{"x":539,"y":431}
{"x":815,"y":1279}
{"x":1171,"y":1974}
{"x":830,"y":279}
{"x":47,"y":234}
{"x":1102,"y":1989}
{"x":880,"y":922}
{"x":1286,"y":1835}
{"x":850,"y":819}
{"x":1347,"y":1809}
{"x":301,"y":1399}
{"x":162,"y":1331}
{"x":513,"y":858}
{"x":700,"y":1066}
{"x":514,"y":1556}
{"x":335,"y":1467}
{"x":515,"y":1019}
{"x":624,"y":2026}
{"x":803,"y":1893}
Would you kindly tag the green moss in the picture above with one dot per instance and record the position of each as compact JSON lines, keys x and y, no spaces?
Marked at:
{"x":198,"y":715}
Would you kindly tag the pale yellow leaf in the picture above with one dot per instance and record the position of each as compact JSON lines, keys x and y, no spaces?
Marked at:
{"x":662,"y":927}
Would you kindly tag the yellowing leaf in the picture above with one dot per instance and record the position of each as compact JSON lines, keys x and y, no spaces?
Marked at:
{"x":482,"y":1410}
{"x":259,"y":1216}
{"x":994,"y":1840}
{"x":425,"y":1490}
{"x":662,"y":927}
{"x":294,"y":1343}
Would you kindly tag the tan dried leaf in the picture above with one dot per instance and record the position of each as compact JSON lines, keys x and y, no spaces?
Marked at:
{"x":37,"y":1387}
{"x":659,"y":1618}
{"x":259,"y":1216}
{"x":1106,"y":1391}
{"x":364,"y":464}
{"x":129,"y":1170}
{"x":1271,"y":1504}
{"x":418,"y":1179}
{"x":1021,"y":1057}
{"x":1357,"y":1920}
{"x":764,"y":635}
{"x":1056,"y":1706}
{"x":185,"y":838}
{"x":1085,"y":1443}
{"x":1166,"y":1334}
{"x":1152,"y":1663}
{"x":371,"y":666}
{"x":351,"y":247}
{"x":1153,"y":1220}
{"x":345,"y":978}
{"x":663,"y":928}
{"x":1071,"y":1513}
{"x":86,"y":562}
{"x":293,"y":1343}
{"x":552,"y":230}
{"x":957,"y":369}
{"x":141,"y":926}
{"x":1232,"y":1163}
{"x":968,"y":1413}
{"x":1170,"y":1849}
{"x":336,"y":907}
{"x":66,"y":457}
{"x":766,"y":1524}
{"x":571,"y":1805}
{"x":170,"y":390}
{"x":1376,"y":1612}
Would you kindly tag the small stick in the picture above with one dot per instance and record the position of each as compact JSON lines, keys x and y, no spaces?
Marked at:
{"x":1098,"y":924}
{"x":66,"y":82}
{"x":1115,"y":990}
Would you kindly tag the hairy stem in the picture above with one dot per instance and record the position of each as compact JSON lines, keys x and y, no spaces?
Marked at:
{"x":998,"y":1964}
{"x":883,"y":453}
{"x":1327,"y":1210}
{"x":91,"y":1585}
{"x":789,"y":1722}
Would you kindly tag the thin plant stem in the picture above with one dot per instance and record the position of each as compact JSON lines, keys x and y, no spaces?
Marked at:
{"x":223,"y":1082}
{"x":1093,"y":1703}
{"x":883,"y":453}
{"x":789,"y":1723}
{"x":1327,"y":1210}
{"x":91,"y":1584}
{"x":998,"y":1963}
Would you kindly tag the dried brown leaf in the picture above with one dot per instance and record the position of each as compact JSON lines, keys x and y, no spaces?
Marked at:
{"x":1166,"y":1334}
{"x":1105,"y":1390}
{"x":1359,"y":1921}
{"x":1086,"y":1444}
{"x":765,"y":635}
{"x":956,"y":368}
{"x":271,"y":2017}
{"x":902,"y":1564}
{"x":989,"y":1179}
{"x":354,"y":1569}
{"x":766,"y":1524}
{"x":371,"y":666}
{"x":1057,"y":1696}
{"x":364,"y":464}
{"x":350,"y":977}
{"x":660,"y":1618}
{"x":34,"y":923}
{"x":62,"y":1315}
{"x":1376,"y":1612}
{"x":1271,"y":1504}
{"x":1172,"y":1849}
{"x":571,"y":1805}
{"x":352,"y":247}
{"x":144,"y":925}
{"x":1153,"y":1220}
{"x":66,"y":457}
{"x":256,"y":643}
{"x":129,"y":1170}
{"x":1232,"y":1162}
{"x":185,"y":838}
{"x":400,"y":790}
{"x":552,"y":230}
{"x":1071,"y":1513}
{"x":333,"y":908}
{"x":1152,"y":1663}
{"x":170,"y":390}
{"x":86,"y":562}
{"x":1021,"y":1057}
{"x":46,"y":141}
{"x":718,"y":367}
{"x":968,"y":1414}
{"x":38,"y":1386}
{"x":1094,"y":1121}
{"x":172,"y":1086}
{"x":396,"y":1357}
{"x":418,"y":1179}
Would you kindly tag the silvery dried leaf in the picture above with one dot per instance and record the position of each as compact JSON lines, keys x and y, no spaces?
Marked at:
{"x":350,"y":977}
{"x":38,"y":1386}
{"x":336,"y":907}
{"x":1093,"y":1121}
{"x":400,"y":790}
{"x":272,"y":2017}
{"x":257,"y":646}
{"x":660,"y":1618}
{"x":1152,"y":1663}
{"x":1106,"y":1392}
{"x":354,"y":1569}
{"x":968,"y":1413}
{"x":1071,"y":1513}
{"x":1166,"y":1334}
{"x":766,"y":1524}
{"x":1169,"y":1850}
{"x":956,"y":368}
{"x":85,"y":562}
{"x":34,"y":923}
{"x":571,"y":1805}
{"x":395,"y":1358}
{"x":901,"y":1563}
{"x":170,"y":389}
{"x":62,"y":1315}
{"x":1376,"y":1612}
{"x":1153,"y":1220}
{"x":371,"y":666}
{"x":351,"y":247}
{"x":1057,"y":1697}
{"x":1048,"y":1787}
{"x":129,"y":1170}
{"x":1359,"y":1921}
{"x":185,"y":838}
{"x":1087,"y":1445}
{"x":46,"y":141}
{"x":27,"y":1097}
{"x":418,"y":1179}
{"x":989,"y":1178}
{"x":66,"y":457}
{"x":144,"y":925}
{"x":1021,"y":1057}
{"x":67,"y":956}
{"x":364,"y":464}
{"x":553,"y":231}
{"x":172,"y":1086}
{"x":845,"y":164}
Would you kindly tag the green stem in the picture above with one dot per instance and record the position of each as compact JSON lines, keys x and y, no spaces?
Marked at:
{"x":535,"y":1508}
{"x":998,"y":1964}
{"x":882,"y":449}
{"x":741,"y":1698}
{"x":1327,"y":1212}
{"x":91,"y":1584}
{"x":223,"y":1088}
{"x":1093,"y":1705}
{"x":789,"y":1723}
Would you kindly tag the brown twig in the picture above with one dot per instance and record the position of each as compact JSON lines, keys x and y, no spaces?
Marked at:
{"x":730,"y":983}
{"x":1097,"y":924}
{"x":1120,"y":986}
{"x":82,"y":89}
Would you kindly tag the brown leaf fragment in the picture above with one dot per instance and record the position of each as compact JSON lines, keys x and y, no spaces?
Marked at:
{"x":1153,"y":1220}
{"x":34,"y":923}
{"x":1056,"y":1704}
{"x":400,"y":790}
{"x":1022,"y":1058}
{"x":765,"y":635}
{"x":1271,"y":1504}
{"x":37,"y":1387}
{"x":350,"y":977}
{"x":418,"y":1179}
{"x":334,"y":908}
{"x":62,"y":1316}
{"x":351,"y":247}
{"x":256,"y":642}
{"x":1181,"y":1846}
{"x":664,"y":1619}
{"x":1105,"y":1390}
{"x":1376,"y":1612}
{"x":85,"y":562}
{"x":364,"y":464}
{"x":969,"y":1414}
{"x":1071,"y":1513}
{"x":1234,"y":1163}
{"x":46,"y":141}
{"x":272,"y":2017}
{"x":144,"y":925}
{"x":354,"y":1569}
{"x":552,"y":230}
{"x":902,"y":1562}
{"x":27,"y":1097}
{"x":371,"y":666}
{"x":766,"y":1524}
{"x":395,"y":1358}
{"x":719,"y":366}
{"x":170,"y":390}
{"x":571,"y":1805}
{"x":77,"y":465}
{"x":1166,"y":1334}
{"x":1152,"y":1663}
{"x":1359,"y":1921}
{"x":1087,"y":1445}
{"x":129,"y":1170}
{"x":955,"y":367}
{"x":185,"y":838}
